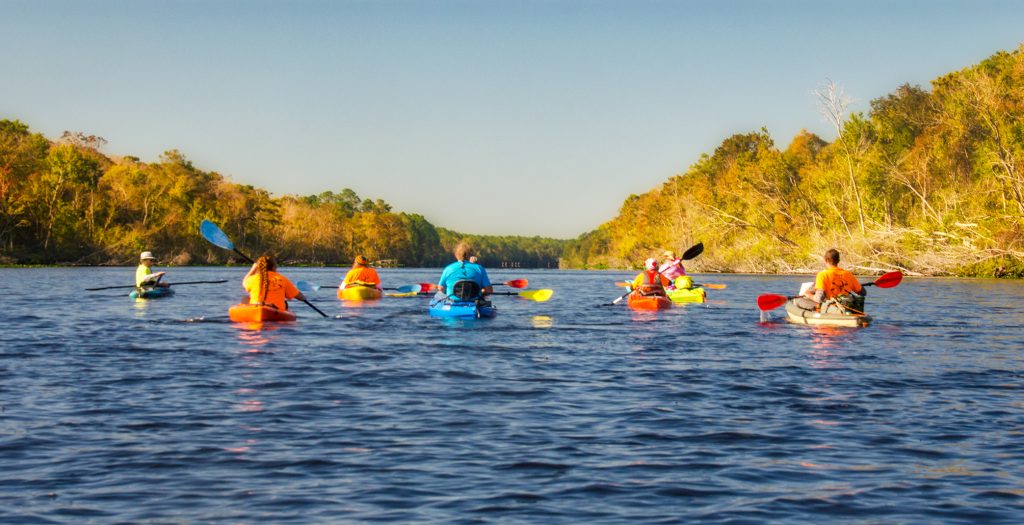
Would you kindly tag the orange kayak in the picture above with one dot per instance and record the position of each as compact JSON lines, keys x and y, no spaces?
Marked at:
{"x":359,"y":293}
{"x":258,"y":313}
{"x":649,"y":302}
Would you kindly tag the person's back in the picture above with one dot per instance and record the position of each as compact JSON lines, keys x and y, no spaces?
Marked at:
{"x":650,"y":281}
{"x":835,"y":281}
{"x":361,"y":274}
{"x":672,"y":267}
{"x":461,"y":271}
{"x":831,"y":283}
{"x":266,"y":286}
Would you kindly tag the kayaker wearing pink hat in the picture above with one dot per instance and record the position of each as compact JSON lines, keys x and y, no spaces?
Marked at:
{"x":144,"y":276}
{"x":650,"y":281}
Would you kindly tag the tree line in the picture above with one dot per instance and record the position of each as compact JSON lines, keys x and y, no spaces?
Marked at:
{"x":926,"y":181}
{"x":63,"y":201}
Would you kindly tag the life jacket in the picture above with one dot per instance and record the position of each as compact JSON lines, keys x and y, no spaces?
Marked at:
{"x":652,"y":283}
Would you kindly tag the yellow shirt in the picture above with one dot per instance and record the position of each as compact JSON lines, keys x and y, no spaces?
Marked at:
{"x":279,"y":288}
{"x":835,"y":282}
{"x":142,"y":273}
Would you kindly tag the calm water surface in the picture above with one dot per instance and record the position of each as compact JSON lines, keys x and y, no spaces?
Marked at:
{"x":115,"y":411}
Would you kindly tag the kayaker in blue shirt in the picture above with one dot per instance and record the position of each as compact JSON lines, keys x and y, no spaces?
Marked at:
{"x":455,"y":276}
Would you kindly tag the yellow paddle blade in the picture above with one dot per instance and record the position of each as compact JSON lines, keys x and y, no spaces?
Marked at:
{"x":406,"y":294}
{"x":537,"y":295}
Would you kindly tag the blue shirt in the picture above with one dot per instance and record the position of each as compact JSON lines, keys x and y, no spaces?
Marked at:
{"x":463,"y":271}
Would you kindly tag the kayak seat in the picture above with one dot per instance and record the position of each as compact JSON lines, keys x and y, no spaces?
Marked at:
{"x":466,"y":290}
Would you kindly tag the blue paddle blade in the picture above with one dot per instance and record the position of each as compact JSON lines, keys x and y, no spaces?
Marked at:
{"x":212,"y":233}
{"x":410,"y":288}
{"x":303,"y":286}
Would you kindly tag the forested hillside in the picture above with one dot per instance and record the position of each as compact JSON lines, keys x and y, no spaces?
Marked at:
{"x":926,"y":181}
{"x":63,"y":201}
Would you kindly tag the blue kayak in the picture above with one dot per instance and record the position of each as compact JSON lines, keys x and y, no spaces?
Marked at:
{"x":150,"y":293}
{"x":462,"y":309}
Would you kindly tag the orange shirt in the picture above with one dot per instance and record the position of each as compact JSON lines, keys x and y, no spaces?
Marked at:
{"x":278,"y":289}
{"x":649,"y":278}
{"x":835,"y":282}
{"x":361,"y":275}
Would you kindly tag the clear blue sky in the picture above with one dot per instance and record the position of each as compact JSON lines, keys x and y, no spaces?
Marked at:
{"x":513,"y":117}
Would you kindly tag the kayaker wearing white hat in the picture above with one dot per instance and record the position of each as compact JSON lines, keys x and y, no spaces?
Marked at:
{"x":650,"y":281}
{"x":144,"y":276}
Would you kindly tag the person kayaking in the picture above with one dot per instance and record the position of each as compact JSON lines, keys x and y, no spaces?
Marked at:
{"x":651,"y":281}
{"x":361,"y":274}
{"x":833,"y":283}
{"x":463,"y":280}
{"x":266,"y":286}
{"x":144,"y":276}
{"x":672,"y":268}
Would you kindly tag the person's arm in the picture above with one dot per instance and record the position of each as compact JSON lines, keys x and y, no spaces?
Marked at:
{"x":290,"y":291}
{"x":252,"y":270}
{"x":817,"y":293}
{"x":348,"y":278}
{"x":440,"y":282}
{"x":487,"y":288}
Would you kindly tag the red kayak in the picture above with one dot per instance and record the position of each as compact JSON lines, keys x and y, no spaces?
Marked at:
{"x":258,"y":313}
{"x":649,"y":302}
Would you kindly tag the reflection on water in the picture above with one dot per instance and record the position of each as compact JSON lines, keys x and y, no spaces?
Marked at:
{"x":542,"y":321}
{"x":255,"y":336}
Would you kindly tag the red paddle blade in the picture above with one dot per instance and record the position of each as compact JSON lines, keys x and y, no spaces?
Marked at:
{"x":770,"y":301}
{"x":517,"y":283}
{"x":889,"y":280}
{"x":428,"y":287}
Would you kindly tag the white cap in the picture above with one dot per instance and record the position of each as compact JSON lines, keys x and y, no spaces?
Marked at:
{"x":146,"y":255}
{"x":651,"y":263}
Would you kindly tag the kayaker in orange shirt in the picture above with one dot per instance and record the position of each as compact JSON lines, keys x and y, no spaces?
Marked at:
{"x":830,"y":283}
{"x":266,"y":286}
{"x":650,"y":281}
{"x":361,"y":274}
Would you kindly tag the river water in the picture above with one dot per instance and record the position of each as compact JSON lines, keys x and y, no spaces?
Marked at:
{"x":162,"y":411}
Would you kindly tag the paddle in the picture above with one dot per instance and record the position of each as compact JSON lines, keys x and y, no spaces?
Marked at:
{"x":514,"y":283}
{"x":695,"y":285}
{"x":212,"y":233}
{"x":533,"y":295}
{"x":310,"y":287}
{"x":772,"y":301}
{"x":693,"y":251}
{"x":168,"y":284}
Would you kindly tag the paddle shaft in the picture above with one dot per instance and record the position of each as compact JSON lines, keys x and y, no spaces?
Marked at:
{"x":168,"y":284}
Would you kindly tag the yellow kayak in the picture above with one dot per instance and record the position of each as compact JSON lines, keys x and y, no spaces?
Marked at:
{"x":359,"y":293}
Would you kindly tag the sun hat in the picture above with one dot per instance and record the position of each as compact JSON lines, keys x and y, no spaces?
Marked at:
{"x":361,"y":260}
{"x":651,"y":263}
{"x":146,"y":255}
{"x":669,"y":253}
